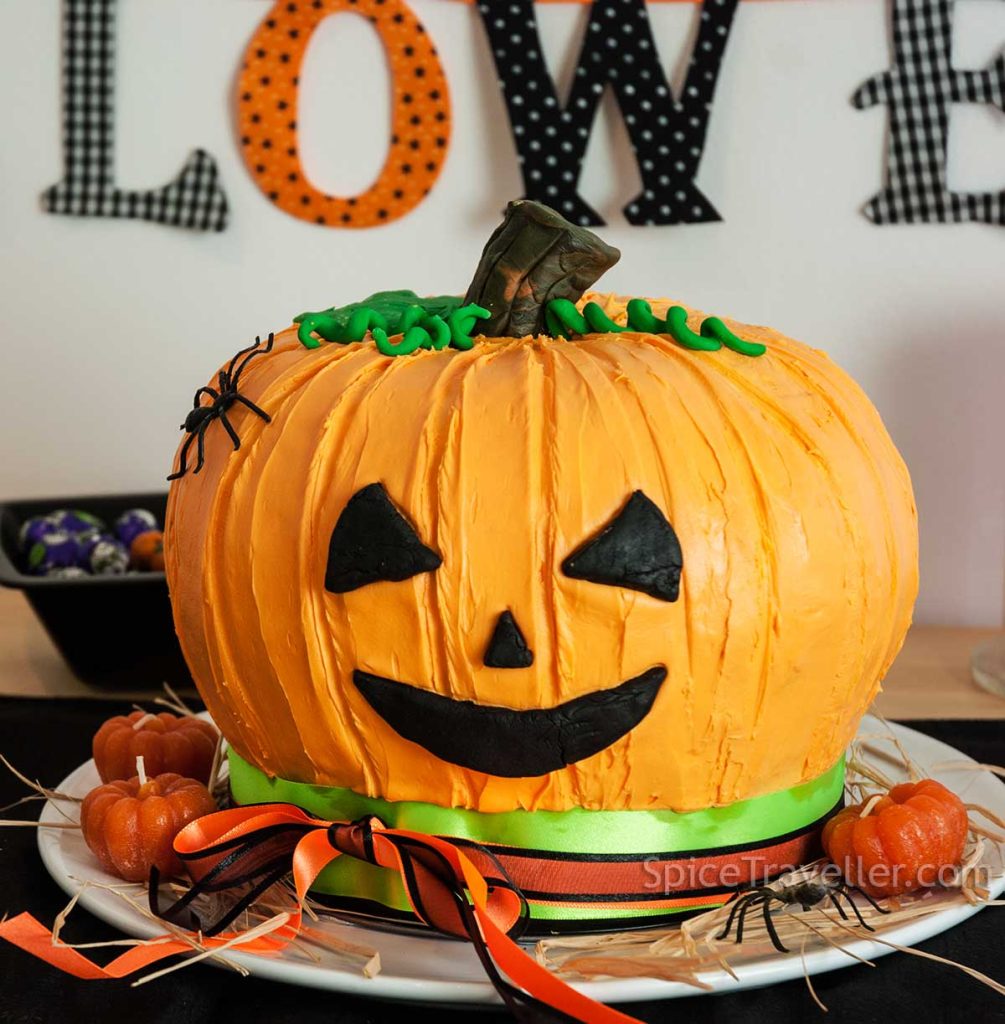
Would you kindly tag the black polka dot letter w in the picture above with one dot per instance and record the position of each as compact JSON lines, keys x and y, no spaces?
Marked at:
{"x":667,"y":131}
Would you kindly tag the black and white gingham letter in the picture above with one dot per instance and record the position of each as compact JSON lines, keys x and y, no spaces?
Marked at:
{"x":194,"y":199}
{"x":918,"y":91}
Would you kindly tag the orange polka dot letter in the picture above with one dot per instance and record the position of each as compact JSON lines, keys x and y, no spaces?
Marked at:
{"x":267,"y":113}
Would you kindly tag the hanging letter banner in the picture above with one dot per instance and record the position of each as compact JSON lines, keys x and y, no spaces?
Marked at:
{"x":667,"y":128}
{"x":194,"y":199}
{"x":918,"y":92}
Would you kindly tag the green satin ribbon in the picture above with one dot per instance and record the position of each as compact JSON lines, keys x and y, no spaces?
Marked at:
{"x":638,"y":833}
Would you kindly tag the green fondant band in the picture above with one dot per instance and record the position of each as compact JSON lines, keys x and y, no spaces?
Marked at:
{"x":635,"y":834}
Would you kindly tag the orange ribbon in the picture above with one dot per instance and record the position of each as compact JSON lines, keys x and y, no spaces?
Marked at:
{"x":260,"y":843}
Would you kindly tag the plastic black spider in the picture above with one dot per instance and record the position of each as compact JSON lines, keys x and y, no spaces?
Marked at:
{"x":198,"y":420}
{"x":806,"y":894}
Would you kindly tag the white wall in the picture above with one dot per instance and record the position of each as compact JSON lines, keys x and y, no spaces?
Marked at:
{"x":110,"y":325}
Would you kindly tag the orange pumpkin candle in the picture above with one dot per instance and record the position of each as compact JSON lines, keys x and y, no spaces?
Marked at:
{"x":904,"y":842}
{"x":168,"y":743}
{"x":130,"y":824}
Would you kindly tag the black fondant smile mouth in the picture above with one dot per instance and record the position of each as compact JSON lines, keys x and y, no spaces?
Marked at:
{"x":508,"y":743}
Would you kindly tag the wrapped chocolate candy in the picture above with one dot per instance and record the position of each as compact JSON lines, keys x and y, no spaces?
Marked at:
{"x":108,"y":557}
{"x":56,"y":549}
{"x":86,"y":542}
{"x":132,"y":523}
{"x":74,"y":520}
{"x":34,"y":529}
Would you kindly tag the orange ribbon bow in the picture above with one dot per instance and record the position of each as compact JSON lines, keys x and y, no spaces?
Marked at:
{"x":259,"y":844}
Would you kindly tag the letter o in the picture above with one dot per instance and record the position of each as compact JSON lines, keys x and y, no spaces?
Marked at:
{"x":267,"y":93}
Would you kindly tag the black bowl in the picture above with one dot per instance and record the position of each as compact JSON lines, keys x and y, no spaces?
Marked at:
{"x":115,"y":632}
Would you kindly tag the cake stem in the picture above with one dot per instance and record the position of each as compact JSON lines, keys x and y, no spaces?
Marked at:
{"x":534,"y":256}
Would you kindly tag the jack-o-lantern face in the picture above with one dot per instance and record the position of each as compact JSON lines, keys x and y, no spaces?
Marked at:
{"x":373,"y":541}
{"x":545,"y":574}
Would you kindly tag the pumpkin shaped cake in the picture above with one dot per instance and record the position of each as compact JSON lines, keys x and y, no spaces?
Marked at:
{"x":602,"y":585}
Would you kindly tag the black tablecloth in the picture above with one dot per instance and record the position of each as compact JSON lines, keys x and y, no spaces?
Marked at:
{"x":46,"y":739}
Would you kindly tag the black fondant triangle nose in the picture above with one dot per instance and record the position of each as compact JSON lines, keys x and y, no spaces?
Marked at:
{"x":507,"y":648}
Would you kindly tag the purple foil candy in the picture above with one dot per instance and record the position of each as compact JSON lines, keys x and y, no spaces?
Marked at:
{"x":134,"y":522}
{"x":75,"y":520}
{"x":55,"y":550}
{"x":34,"y":529}
{"x":86,"y":542}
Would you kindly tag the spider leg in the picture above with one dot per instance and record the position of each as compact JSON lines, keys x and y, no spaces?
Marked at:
{"x":754,"y":901}
{"x":847,"y":890}
{"x":230,"y":430}
{"x":212,"y":392}
{"x":254,"y":351}
{"x":770,"y":925}
{"x":249,"y":354}
{"x":254,"y":408}
{"x":861,"y":920}
{"x":201,"y":433}
{"x":182,"y":466}
{"x":248,"y":351}
{"x":838,"y":908}
{"x":738,"y":902}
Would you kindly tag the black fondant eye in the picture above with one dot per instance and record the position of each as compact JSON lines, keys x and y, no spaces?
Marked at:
{"x":638,"y":549}
{"x":373,"y":541}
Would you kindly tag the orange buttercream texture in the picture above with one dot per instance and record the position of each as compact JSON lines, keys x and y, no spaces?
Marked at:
{"x":794,"y":512}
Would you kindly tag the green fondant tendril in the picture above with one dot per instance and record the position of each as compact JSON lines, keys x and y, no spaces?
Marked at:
{"x":439,"y":332}
{"x":599,"y":321}
{"x":713,"y":327}
{"x":318,"y":322}
{"x":364,"y":320}
{"x":678,"y":329}
{"x":642,"y":318}
{"x":564,"y":320}
{"x":461,"y":323}
{"x":411,"y":317}
{"x":410,"y":341}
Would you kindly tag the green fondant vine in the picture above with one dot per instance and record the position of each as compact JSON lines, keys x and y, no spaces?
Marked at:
{"x":434,"y":322}
{"x":564,"y":319}
{"x":441,"y":321}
